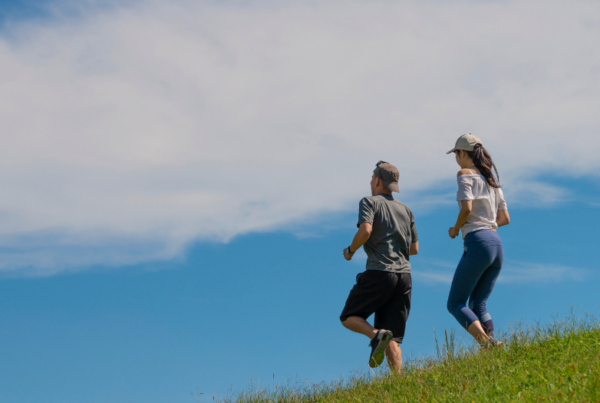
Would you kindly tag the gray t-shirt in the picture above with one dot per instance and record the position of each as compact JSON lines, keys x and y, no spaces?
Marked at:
{"x":393,"y":232}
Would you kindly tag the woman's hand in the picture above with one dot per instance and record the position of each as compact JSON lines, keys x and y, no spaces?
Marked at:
{"x":503,"y":218}
{"x":465,"y":210}
{"x":453,"y":232}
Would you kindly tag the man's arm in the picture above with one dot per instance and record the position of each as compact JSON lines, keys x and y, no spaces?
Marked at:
{"x":414,"y":248}
{"x":362,"y":236}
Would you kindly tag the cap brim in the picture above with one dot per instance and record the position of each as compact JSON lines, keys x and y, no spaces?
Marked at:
{"x":392,"y":186}
{"x":451,"y":151}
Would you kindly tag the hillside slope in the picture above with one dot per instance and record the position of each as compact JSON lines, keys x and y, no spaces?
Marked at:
{"x":557,"y":362}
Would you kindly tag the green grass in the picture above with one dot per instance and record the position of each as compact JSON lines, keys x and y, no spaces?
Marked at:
{"x":550,"y":363}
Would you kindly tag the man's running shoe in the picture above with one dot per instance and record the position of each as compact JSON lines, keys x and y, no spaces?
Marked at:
{"x":378,"y":345}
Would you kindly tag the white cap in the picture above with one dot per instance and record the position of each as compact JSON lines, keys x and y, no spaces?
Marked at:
{"x":465,"y":142}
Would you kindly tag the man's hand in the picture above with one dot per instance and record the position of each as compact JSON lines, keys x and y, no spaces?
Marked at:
{"x":362,"y":236}
{"x":414,"y":249}
{"x":347,"y":256}
{"x":453,"y":232}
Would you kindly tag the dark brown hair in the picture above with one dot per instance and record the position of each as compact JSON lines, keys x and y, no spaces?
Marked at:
{"x":483,"y":161}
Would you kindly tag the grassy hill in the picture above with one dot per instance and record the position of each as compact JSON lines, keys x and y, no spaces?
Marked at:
{"x":551,"y":363}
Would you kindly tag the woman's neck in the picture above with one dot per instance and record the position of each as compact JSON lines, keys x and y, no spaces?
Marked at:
{"x":469,"y":164}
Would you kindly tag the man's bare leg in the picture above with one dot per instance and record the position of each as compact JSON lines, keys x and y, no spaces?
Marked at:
{"x":394,"y":356}
{"x":359,"y":325}
{"x":392,"y":352}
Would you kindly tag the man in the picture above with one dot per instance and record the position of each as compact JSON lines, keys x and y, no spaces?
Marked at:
{"x":387,"y":230}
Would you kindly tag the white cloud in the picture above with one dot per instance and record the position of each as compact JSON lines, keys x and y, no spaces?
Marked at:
{"x":527,"y":190}
{"x":434,"y":270}
{"x":523,"y":272}
{"x":513,"y":272}
{"x":159,"y":123}
{"x":433,"y":276}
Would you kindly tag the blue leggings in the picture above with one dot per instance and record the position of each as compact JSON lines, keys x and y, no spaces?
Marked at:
{"x":475,"y":278}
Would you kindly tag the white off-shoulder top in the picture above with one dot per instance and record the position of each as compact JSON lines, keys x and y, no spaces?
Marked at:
{"x":486,"y":202}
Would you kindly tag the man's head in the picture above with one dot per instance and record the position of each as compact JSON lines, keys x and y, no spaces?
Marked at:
{"x":385,"y":179}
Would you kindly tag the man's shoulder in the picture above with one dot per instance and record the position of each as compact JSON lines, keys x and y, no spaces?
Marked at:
{"x":374,"y":202}
{"x":381,"y":199}
{"x":371,"y":200}
{"x":405,"y":207}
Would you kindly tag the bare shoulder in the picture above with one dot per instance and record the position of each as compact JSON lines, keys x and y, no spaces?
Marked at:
{"x":463,"y":172}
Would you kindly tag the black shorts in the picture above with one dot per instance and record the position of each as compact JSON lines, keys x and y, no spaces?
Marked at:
{"x":384,"y":293}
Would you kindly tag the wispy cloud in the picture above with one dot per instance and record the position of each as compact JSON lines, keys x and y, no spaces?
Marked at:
{"x":544,"y":194}
{"x":433,"y":276}
{"x":513,"y":272}
{"x":433,"y":270}
{"x":157,"y":123}
{"x":539,"y":273}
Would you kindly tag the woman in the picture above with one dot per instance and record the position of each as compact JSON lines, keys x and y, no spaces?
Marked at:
{"x":482,"y":210}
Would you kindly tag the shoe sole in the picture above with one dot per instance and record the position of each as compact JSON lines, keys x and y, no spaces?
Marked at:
{"x":377,"y":358}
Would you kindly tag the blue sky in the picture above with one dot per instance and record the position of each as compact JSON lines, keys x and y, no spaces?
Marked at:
{"x":266,"y":304}
{"x":179,"y":179}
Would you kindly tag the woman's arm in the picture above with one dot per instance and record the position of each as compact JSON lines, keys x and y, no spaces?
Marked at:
{"x":465,"y":209}
{"x":503,"y":218}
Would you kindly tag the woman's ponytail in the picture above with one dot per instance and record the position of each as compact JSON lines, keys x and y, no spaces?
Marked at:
{"x":483,"y":161}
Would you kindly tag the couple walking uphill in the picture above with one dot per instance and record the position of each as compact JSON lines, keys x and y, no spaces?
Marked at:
{"x":387,"y":231}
